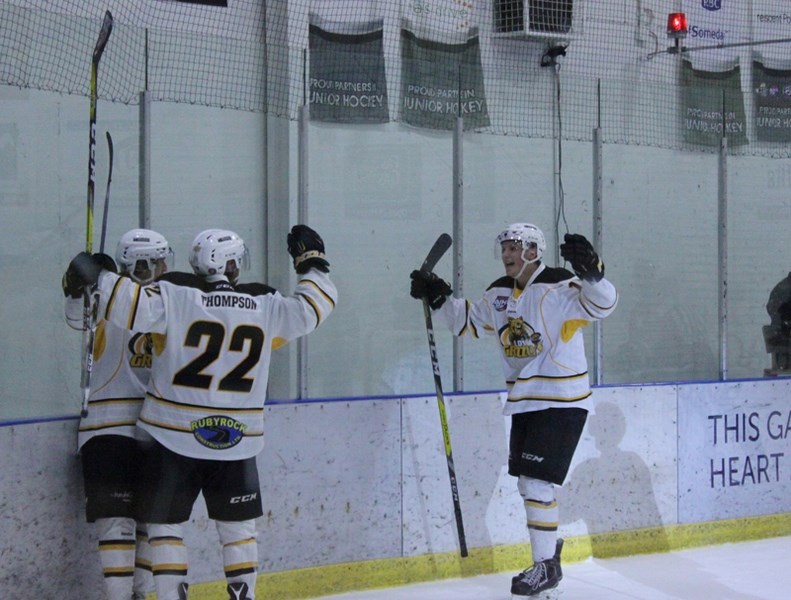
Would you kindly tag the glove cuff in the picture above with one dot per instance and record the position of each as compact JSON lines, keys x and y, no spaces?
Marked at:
{"x":307,"y":256}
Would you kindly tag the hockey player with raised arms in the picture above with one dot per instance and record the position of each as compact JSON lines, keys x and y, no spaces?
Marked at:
{"x":106,"y":434}
{"x":535,"y":312}
{"x":203,"y":414}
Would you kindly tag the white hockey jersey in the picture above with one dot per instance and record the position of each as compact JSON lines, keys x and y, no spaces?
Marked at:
{"x":538,"y":329}
{"x":212,"y":348}
{"x":121,"y":367}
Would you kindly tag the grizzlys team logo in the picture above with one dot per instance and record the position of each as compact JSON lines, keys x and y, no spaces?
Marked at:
{"x":140,"y":350}
{"x":519,"y":340}
{"x":218,"y":432}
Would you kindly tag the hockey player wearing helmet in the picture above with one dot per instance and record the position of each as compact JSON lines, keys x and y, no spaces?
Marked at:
{"x":106,"y":435}
{"x":203,"y":416}
{"x":535,"y":313}
{"x":143,"y":255}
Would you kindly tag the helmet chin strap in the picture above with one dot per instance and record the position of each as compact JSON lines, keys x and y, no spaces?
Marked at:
{"x":526,"y":262}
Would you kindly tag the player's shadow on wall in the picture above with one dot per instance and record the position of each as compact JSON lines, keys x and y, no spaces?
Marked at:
{"x":614,"y":493}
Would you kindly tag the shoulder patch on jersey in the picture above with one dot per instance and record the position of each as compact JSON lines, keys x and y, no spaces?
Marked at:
{"x":503,"y":282}
{"x":185,"y":279}
{"x":553,"y":275}
{"x":255,"y":289}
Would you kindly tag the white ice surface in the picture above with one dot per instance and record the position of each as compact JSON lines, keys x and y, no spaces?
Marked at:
{"x":758,"y":570}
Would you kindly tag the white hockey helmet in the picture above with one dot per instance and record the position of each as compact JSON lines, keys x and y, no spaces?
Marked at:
{"x":213,"y":250}
{"x":527,"y":235}
{"x":140,"y":253}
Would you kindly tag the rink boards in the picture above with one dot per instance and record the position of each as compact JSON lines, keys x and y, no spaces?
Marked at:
{"x":354,"y":487}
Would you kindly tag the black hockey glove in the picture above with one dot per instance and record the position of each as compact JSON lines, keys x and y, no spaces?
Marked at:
{"x":83,"y":271}
{"x":429,"y":286}
{"x":307,"y":249}
{"x":579,"y":252}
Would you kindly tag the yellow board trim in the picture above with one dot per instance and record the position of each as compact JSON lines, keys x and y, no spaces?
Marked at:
{"x":314,"y":582}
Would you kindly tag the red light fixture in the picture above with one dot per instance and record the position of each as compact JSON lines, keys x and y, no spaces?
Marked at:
{"x":677,"y":25}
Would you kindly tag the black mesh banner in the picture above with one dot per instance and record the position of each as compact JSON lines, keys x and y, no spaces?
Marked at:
{"x":772,"y":101}
{"x":347,"y":72}
{"x":713,"y":106}
{"x":441,"y":82}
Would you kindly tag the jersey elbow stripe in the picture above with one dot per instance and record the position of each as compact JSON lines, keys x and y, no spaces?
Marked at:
{"x":315,"y":308}
{"x":584,"y":301}
{"x":111,"y":301}
{"x":474,"y":329}
{"x":133,"y":311}
{"x":324,"y":294}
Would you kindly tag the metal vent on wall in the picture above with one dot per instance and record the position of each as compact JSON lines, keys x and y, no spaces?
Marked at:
{"x":546,"y":19}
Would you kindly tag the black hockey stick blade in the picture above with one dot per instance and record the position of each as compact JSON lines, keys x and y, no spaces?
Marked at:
{"x":437,"y":251}
{"x":107,"y":192}
{"x":104,"y":35}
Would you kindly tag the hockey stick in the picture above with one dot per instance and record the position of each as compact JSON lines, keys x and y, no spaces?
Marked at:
{"x":437,"y":251}
{"x":89,"y":307}
{"x":98,"y":49}
{"x":107,"y":192}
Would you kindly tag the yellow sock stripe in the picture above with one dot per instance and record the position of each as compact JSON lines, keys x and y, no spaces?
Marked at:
{"x":240,"y":569}
{"x":118,"y":571}
{"x":116,"y":545}
{"x":240,"y":542}
{"x":543,"y":526}
{"x":143,"y":564}
{"x":170,"y":569}
{"x":541,"y":505}
{"x":166,"y":541}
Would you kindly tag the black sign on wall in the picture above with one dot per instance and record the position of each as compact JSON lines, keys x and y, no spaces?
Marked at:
{"x":208,"y":2}
{"x":772,"y":95}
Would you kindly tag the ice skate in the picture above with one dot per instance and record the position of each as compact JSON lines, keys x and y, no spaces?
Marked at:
{"x":183,"y":591}
{"x":542,"y":576}
{"x":238,"y":591}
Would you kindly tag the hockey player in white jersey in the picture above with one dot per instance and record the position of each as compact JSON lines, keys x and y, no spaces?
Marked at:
{"x":106,"y":435}
{"x":204,"y":407}
{"x":535,"y":312}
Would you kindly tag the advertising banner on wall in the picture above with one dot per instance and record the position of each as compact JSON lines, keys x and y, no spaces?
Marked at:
{"x":441,"y":82}
{"x":772,"y":100}
{"x":733,"y":451}
{"x":206,"y":2}
{"x":347,"y":82}
{"x":441,"y":74}
{"x":715,"y":23}
{"x":712,"y":106}
{"x":772,"y":70}
{"x":772,"y":21}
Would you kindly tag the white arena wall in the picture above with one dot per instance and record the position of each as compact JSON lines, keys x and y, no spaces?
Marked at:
{"x":357,"y":490}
